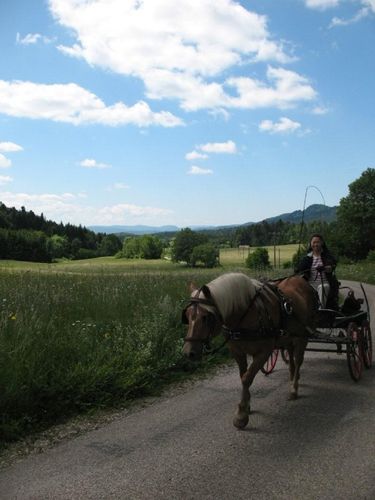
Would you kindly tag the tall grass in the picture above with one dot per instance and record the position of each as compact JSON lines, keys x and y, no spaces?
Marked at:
{"x":71,"y":341}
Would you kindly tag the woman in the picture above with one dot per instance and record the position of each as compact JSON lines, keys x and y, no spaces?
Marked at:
{"x":318,"y":268}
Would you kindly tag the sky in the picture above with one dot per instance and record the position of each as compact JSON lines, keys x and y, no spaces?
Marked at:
{"x":188,"y":112}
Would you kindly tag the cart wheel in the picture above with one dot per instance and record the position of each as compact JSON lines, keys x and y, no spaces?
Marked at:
{"x":270,"y":364}
{"x":285,"y":356}
{"x":353,"y":352}
{"x":366,"y":344}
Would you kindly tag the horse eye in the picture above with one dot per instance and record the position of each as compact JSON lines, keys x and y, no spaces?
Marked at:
{"x":208,"y":320}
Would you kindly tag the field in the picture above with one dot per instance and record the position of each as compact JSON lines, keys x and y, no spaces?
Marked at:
{"x":80,"y":335}
{"x":279,"y":255}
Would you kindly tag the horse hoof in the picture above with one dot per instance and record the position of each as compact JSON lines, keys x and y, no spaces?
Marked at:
{"x":241,"y":423}
{"x":293,"y":396}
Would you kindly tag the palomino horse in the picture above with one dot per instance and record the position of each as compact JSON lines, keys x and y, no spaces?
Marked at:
{"x":256,"y":318}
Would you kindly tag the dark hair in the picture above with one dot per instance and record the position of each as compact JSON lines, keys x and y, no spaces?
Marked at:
{"x":317,"y":235}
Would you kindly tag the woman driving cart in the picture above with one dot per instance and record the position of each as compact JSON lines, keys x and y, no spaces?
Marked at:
{"x":318,"y":268}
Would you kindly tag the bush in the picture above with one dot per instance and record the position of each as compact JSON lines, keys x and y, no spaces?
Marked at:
{"x":207,"y":254}
{"x":371,"y":256}
{"x":259,"y":259}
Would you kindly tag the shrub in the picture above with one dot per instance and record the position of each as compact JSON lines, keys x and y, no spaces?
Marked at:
{"x":207,"y":254}
{"x":259,"y":259}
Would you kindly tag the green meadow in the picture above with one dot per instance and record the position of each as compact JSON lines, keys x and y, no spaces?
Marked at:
{"x":76,"y":336}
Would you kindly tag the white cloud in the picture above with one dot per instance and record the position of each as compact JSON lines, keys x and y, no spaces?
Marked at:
{"x":68,"y":207}
{"x":31,"y":39}
{"x":336,"y":21}
{"x":71,"y":103}
{"x":177,"y":49}
{"x":9,"y":147}
{"x":194,"y":170}
{"x":320,"y":110}
{"x":4,"y":179}
{"x":4,"y":162}
{"x":283,"y":126}
{"x":120,"y":185}
{"x":321,"y":4}
{"x":288,"y":88}
{"x":327,"y":4}
{"x":90,"y":163}
{"x":228,"y":147}
{"x":195,"y":155}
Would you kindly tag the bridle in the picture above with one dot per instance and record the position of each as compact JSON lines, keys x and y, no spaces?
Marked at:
{"x":195,"y":302}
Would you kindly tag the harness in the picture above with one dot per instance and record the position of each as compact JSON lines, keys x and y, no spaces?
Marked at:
{"x":265,"y":329}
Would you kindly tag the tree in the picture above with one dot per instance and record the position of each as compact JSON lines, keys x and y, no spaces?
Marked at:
{"x":259,"y":259}
{"x":184,"y":243}
{"x":59,"y":246}
{"x":151,"y":247}
{"x":206,"y":253}
{"x":131,"y":248}
{"x":356,"y":217}
{"x":110,"y":245}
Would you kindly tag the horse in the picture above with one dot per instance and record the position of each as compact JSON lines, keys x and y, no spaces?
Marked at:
{"x":257,"y":317}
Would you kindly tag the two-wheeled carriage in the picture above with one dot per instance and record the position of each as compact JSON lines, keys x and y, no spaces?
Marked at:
{"x":344,"y":331}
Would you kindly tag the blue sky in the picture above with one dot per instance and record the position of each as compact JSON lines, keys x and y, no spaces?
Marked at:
{"x":196,"y":112}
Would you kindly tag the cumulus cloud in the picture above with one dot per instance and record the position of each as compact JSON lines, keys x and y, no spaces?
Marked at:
{"x":4,"y":162}
{"x":4,"y":179}
{"x":68,"y":207}
{"x":194,"y":170}
{"x":283,"y":126}
{"x":71,"y":103}
{"x":9,"y":147}
{"x":91,"y":163}
{"x":179,"y":50}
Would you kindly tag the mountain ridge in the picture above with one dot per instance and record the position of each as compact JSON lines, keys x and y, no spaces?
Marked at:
{"x":313,"y":212}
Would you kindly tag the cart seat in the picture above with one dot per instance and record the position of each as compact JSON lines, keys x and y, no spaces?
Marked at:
{"x":329,"y":318}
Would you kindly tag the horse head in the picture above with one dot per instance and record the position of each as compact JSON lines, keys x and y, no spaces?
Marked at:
{"x":203,"y":322}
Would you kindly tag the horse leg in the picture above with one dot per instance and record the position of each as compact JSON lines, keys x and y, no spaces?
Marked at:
{"x":241,"y":417}
{"x":296,"y":360}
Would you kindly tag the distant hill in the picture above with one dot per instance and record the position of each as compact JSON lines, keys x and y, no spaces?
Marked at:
{"x":313,"y":212}
{"x":140,"y":229}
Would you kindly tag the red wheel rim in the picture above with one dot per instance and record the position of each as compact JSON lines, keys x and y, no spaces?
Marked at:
{"x":354,"y":352}
{"x":270,"y":364}
{"x":366,"y":344}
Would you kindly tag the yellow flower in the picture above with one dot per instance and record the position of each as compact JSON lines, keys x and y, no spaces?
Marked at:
{"x":13,"y":317}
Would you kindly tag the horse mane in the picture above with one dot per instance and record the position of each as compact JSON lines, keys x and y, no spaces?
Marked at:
{"x":231,"y":293}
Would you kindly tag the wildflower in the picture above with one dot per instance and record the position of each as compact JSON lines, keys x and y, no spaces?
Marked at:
{"x":13,"y":317}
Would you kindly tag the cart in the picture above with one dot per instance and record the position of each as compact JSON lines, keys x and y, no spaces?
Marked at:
{"x":346,"y":331}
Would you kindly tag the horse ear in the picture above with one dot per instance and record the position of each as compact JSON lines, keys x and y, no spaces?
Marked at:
{"x":206,"y":291}
{"x":192,"y":287}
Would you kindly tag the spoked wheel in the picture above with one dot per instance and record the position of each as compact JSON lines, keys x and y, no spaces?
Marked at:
{"x":270,"y":364}
{"x":353,"y":352}
{"x":285,"y":356}
{"x":366,"y":344}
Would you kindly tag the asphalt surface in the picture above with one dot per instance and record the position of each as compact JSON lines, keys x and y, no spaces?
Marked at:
{"x":184,"y":446}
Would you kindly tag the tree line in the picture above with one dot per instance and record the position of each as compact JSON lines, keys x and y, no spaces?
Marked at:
{"x":30,"y":237}
{"x":27,"y":236}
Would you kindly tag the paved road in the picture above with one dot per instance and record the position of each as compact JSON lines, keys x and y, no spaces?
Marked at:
{"x":183,"y":446}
